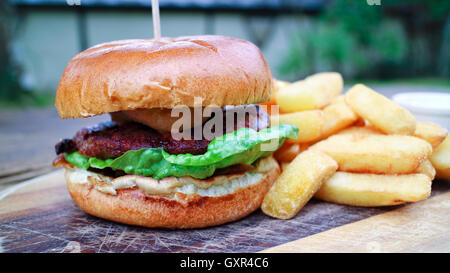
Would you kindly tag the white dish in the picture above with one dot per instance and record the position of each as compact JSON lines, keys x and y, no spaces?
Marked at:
{"x":427,"y":106}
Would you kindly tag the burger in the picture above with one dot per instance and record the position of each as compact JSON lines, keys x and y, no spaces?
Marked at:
{"x":137,"y":169}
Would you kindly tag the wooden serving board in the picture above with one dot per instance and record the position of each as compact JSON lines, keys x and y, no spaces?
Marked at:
{"x":39,"y":216}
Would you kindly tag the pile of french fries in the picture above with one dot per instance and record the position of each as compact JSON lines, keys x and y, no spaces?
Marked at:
{"x":358,"y":149}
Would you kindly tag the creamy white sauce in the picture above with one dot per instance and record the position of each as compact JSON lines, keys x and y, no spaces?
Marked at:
{"x":227,"y":188}
{"x":219,"y":186}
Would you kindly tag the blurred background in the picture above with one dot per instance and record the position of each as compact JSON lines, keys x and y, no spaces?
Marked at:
{"x":397,"y":46}
{"x":398,"y":39}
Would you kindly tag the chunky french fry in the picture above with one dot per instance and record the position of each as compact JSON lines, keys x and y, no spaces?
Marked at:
{"x":441,"y":159}
{"x":287,"y":152}
{"x":386,"y":154}
{"x":365,"y":130}
{"x":297,"y":184}
{"x":314,"y":92}
{"x":277,"y":85}
{"x":338,"y":115}
{"x":381,"y":112}
{"x":270,"y":106}
{"x":427,"y":168}
{"x":432,"y":133}
{"x":330,"y":84}
{"x":296,"y":97}
{"x":373,"y":190}
{"x":310,"y":124}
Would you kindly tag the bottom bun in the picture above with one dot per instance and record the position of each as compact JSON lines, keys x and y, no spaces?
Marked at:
{"x":131,"y":206}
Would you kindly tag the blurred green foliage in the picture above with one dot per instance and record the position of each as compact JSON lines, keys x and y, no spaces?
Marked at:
{"x":436,"y":9}
{"x":27,"y":99}
{"x":357,"y":39}
{"x":12,"y":93}
{"x":9,"y":73}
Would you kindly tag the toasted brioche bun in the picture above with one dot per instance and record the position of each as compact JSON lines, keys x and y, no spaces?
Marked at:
{"x":133,"y":74}
{"x":133,"y":207}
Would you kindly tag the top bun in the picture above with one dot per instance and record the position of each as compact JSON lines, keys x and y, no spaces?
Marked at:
{"x":132,"y":74}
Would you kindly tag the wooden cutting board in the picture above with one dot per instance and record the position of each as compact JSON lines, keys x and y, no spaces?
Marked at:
{"x":39,"y":216}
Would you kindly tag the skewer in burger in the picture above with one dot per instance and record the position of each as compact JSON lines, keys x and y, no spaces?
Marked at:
{"x":135,"y":169}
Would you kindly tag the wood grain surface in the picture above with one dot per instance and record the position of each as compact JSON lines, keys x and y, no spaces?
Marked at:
{"x":419,"y":227}
{"x":39,"y":216}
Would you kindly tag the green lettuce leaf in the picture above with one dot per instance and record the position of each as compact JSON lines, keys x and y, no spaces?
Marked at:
{"x":242,"y":146}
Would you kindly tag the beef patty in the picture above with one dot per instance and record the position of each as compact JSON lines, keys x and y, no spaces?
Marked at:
{"x":111,"y":140}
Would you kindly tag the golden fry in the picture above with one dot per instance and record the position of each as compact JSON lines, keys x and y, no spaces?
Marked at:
{"x":373,"y":190}
{"x":338,"y":115}
{"x":287,"y":152}
{"x":364,"y":130}
{"x":432,"y":133}
{"x":314,"y":92}
{"x":277,"y":85}
{"x":380,"y":111}
{"x":297,"y":184}
{"x":441,"y":159}
{"x":386,"y":154}
{"x":310,"y":124}
{"x":427,"y":168}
